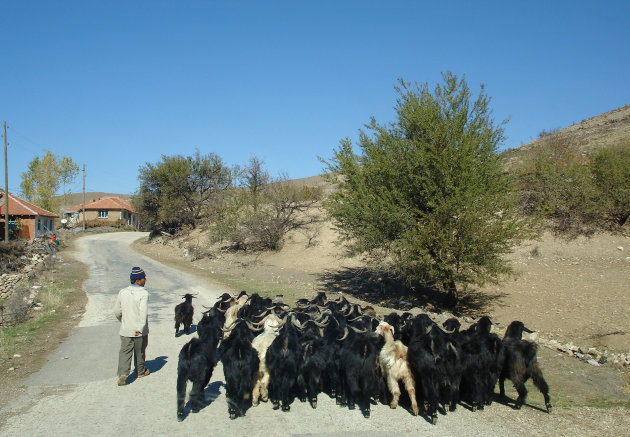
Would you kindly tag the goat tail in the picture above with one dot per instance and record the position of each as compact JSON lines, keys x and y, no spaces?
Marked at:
{"x":538,"y":379}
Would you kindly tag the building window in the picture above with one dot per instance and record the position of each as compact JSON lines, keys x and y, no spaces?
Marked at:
{"x":39,"y":224}
{"x":102,"y":213}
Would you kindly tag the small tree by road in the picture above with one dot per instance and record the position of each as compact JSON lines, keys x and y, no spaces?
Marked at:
{"x":426,"y":196}
{"x":45,"y":176}
{"x":177,"y":191}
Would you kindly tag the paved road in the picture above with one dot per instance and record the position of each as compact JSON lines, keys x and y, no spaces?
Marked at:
{"x":75,"y":393}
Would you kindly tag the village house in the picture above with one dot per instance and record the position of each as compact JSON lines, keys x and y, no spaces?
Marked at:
{"x":25,"y":219}
{"x":110,"y":209}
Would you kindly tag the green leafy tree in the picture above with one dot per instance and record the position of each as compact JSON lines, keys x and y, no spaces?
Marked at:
{"x":178,"y":191}
{"x":45,"y":176}
{"x":427,"y":196}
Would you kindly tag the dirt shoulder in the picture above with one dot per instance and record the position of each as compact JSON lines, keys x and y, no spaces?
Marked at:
{"x":28,"y":345}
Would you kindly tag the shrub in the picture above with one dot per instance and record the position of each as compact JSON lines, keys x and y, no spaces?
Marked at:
{"x":105,"y":224}
{"x":17,"y":306}
{"x":10,"y":256}
{"x":574,"y":193}
{"x":611,"y":167}
{"x":261,"y":220}
{"x":558,"y":186}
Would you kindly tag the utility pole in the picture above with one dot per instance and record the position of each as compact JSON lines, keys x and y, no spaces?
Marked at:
{"x":83,"y":197}
{"x":6,"y":187}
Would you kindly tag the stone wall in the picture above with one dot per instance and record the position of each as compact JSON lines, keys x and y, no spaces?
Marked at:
{"x":9,"y":282}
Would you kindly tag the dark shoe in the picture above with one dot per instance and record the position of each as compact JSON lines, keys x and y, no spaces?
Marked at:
{"x":122,"y":379}
{"x":145,"y":373}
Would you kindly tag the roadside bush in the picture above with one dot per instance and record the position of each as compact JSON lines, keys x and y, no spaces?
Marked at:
{"x":119,"y":224}
{"x":576,"y":194}
{"x":10,"y":254}
{"x":261,"y":220}
{"x":611,"y":167}
{"x":285,"y":209}
{"x":17,"y":306}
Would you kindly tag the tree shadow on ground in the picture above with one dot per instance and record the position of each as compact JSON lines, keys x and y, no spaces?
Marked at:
{"x":383,"y":289}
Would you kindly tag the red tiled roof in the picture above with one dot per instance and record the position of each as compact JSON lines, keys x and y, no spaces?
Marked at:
{"x":108,"y":203}
{"x":21,"y":207}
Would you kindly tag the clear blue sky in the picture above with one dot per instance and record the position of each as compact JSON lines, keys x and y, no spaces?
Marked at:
{"x":117,"y":84}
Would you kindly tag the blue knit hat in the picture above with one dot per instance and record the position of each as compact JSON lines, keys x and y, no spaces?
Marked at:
{"x":136,"y":273}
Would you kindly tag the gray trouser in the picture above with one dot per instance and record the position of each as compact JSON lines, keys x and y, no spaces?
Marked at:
{"x":132,"y":346}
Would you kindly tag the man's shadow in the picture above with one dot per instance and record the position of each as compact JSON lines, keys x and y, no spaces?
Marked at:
{"x":154,"y":366}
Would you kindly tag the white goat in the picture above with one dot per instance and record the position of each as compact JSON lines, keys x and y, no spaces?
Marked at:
{"x":395,"y":366}
{"x":231,"y":314}
{"x":261,"y":343}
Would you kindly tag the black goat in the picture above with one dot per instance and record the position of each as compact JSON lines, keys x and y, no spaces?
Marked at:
{"x":520,"y":364}
{"x":240,"y":367}
{"x":426,"y":359}
{"x":313,"y":361}
{"x":282,"y":359}
{"x":494,"y":356}
{"x":197,"y":360}
{"x":360,"y":375}
{"x":481,"y":361}
{"x":184,"y":314}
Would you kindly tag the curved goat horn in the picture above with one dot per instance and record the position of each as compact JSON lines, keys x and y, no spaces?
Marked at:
{"x":322,"y":324}
{"x":252,"y":327}
{"x":263,"y":314}
{"x":296,"y":322}
{"x":262,"y":321}
{"x":346,"y":332}
{"x":359,"y":331}
{"x":232,"y":325}
{"x":283,"y":321}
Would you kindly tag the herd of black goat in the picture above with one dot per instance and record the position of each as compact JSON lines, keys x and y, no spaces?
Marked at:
{"x":270,"y":351}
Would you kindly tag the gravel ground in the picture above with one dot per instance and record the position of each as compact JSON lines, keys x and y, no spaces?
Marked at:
{"x":75,"y":393}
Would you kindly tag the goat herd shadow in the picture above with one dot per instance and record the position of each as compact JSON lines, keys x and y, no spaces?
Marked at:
{"x":213,"y":392}
{"x":384,"y":289}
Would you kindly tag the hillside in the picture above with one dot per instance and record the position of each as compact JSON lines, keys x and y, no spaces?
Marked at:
{"x":609,"y":128}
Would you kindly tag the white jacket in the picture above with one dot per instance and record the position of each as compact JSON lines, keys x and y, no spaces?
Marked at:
{"x":132,"y":305}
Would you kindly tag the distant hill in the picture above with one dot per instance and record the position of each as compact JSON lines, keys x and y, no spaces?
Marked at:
{"x":76,"y":198}
{"x":609,"y":128}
